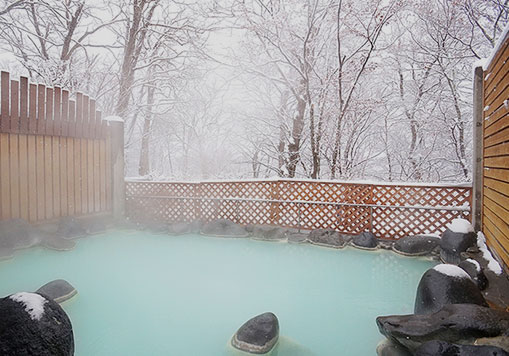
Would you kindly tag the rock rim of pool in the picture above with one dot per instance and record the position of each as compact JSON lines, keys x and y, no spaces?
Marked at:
{"x":258,"y":335}
{"x":32,"y":324}
{"x":223,"y":228}
{"x":328,"y":238}
{"x":446,"y":284}
{"x":443,"y":348}
{"x":416,"y":245}
{"x":365,"y":241}
{"x":59,"y":290}
{"x":454,"y":323}
{"x":267,"y":232}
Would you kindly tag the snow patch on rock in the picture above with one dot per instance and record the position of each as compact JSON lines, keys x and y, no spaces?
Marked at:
{"x":461,"y":226}
{"x":33,"y":303}
{"x":451,"y":270}
{"x":493,"y":265}
{"x":475,"y":263}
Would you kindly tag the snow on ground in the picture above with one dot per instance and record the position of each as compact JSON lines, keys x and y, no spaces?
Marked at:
{"x":461,"y":226}
{"x":493,"y":265}
{"x":33,"y":303}
{"x":451,"y":270}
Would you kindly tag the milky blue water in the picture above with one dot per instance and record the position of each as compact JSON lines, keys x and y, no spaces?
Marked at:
{"x":146,"y":294}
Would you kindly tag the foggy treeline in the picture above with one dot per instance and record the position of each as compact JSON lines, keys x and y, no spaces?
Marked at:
{"x":328,"y":89}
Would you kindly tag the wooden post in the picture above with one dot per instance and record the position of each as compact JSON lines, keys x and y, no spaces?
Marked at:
{"x":477,"y":174}
{"x":116,"y":126}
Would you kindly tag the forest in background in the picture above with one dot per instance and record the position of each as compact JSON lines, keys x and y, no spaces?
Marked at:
{"x":322,"y":89}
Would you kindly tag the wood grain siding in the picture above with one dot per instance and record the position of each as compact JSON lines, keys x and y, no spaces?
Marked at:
{"x":53,"y":153}
{"x":495,"y":211}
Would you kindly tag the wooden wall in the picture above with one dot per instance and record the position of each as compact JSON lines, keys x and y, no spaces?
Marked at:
{"x":495,"y":210}
{"x":55,"y":153}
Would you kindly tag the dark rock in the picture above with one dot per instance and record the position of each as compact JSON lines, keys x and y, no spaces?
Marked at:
{"x":454,"y":323}
{"x":445,"y":284}
{"x":59,"y":290}
{"x":416,"y":245}
{"x":268,"y":233}
{"x":389,"y":348}
{"x":365,"y":240}
{"x":58,"y":243}
{"x":70,"y":227}
{"x":257,"y":335}
{"x":223,"y":228}
{"x":25,"y":331}
{"x":452,"y":244}
{"x":329,"y":238}
{"x":18,"y":233}
{"x":442,"y":348}
{"x":474,"y":270}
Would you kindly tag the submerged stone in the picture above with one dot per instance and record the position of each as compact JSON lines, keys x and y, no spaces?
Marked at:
{"x":365,"y":240}
{"x":257,"y":335}
{"x":445,"y":284}
{"x":443,"y":348}
{"x":59,"y":290}
{"x":454,"y":323}
{"x":416,"y":245}
{"x":32,"y":324}
{"x":224,"y":228}
{"x":328,"y":237}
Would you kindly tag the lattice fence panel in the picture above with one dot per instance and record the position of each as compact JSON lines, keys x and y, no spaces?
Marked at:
{"x":421,"y":196}
{"x":390,"y":211}
{"x":246,"y":190}
{"x":325,"y":192}
{"x":396,"y":222}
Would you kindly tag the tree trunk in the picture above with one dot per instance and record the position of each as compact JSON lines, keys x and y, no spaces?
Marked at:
{"x":144,"y":166}
{"x":294,"y":146}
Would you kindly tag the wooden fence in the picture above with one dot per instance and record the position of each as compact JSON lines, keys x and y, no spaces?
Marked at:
{"x":55,"y":153}
{"x":495,"y":152}
{"x":390,"y":211}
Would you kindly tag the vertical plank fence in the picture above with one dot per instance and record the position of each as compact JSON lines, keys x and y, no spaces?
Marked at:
{"x":495,"y":151}
{"x":54,"y":153}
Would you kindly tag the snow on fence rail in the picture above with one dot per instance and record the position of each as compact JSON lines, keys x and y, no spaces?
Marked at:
{"x":55,"y":153}
{"x":390,"y":211}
